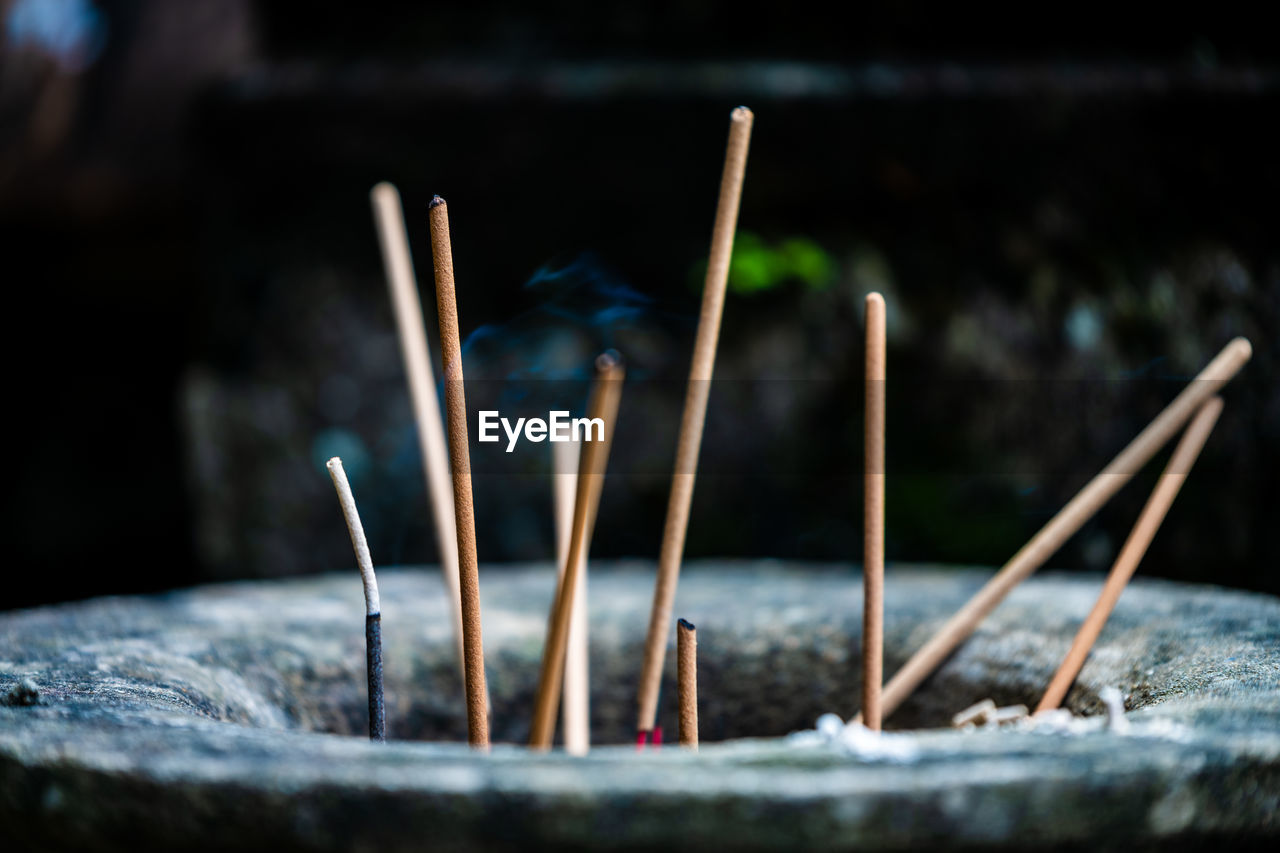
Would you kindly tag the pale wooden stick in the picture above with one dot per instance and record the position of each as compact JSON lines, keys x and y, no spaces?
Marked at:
{"x":1068,"y":520}
{"x":407,"y":307}
{"x":695,"y":412}
{"x":372,"y":605}
{"x":687,"y":681}
{"x":1170,"y":482}
{"x":576,"y":716}
{"x":873,"y":514}
{"x":460,"y":465}
{"x":595,"y":457}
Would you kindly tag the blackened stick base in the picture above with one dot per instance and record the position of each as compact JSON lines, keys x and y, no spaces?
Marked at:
{"x":373,"y":654}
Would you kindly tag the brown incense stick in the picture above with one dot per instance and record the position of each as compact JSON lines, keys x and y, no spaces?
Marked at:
{"x":687,"y":681}
{"x":576,"y":714}
{"x":398,"y":263}
{"x":695,"y":412}
{"x":1068,"y":520}
{"x":372,"y":605}
{"x":873,"y":514}
{"x":605,"y":395}
{"x":1171,"y":480}
{"x":460,"y":464}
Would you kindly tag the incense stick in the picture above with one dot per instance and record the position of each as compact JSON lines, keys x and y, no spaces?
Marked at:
{"x":389,"y":218}
{"x":687,"y":681}
{"x":1069,"y":519}
{"x":1153,"y":513}
{"x":372,"y":606}
{"x":576,"y":716}
{"x":605,"y":395}
{"x":695,"y":412}
{"x":460,"y":465}
{"x":873,"y":514}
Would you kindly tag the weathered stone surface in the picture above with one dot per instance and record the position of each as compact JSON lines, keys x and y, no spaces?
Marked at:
{"x":208,"y":717}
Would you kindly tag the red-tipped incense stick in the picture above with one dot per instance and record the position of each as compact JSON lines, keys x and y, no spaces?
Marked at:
{"x":695,"y":412}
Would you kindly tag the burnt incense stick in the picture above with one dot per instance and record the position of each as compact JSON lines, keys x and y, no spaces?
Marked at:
{"x":873,"y":513}
{"x":695,"y":412}
{"x":1144,"y":530}
{"x":372,"y":606}
{"x":576,"y":714}
{"x":392,"y":238}
{"x":687,"y":681}
{"x":605,"y":395}
{"x":1069,"y":519}
{"x":460,"y":466}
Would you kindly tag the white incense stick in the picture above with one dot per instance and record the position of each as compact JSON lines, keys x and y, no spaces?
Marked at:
{"x":576,"y":713}
{"x":372,"y":606}
{"x":389,"y":218}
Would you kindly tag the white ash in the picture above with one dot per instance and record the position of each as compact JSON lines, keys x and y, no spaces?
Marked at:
{"x":974,"y":715}
{"x":857,"y":740}
{"x":1113,"y":699}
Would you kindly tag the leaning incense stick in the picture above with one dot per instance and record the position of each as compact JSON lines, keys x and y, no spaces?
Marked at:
{"x":873,"y":514}
{"x":605,"y":396}
{"x":1068,"y":520}
{"x":695,"y":412}
{"x":687,"y":681}
{"x":398,"y":263}
{"x":1170,"y":482}
{"x":576,"y":714}
{"x":460,"y":463}
{"x":372,"y":606}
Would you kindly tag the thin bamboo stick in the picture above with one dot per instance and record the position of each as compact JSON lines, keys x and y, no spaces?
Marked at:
{"x":388,"y":216}
{"x":576,"y":714}
{"x":695,"y":412}
{"x":873,"y":513}
{"x":1153,"y":513}
{"x":595,"y":457}
{"x":1069,"y":519}
{"x":460,"y":466}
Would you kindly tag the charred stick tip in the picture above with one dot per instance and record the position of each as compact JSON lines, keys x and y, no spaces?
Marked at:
{"x":687,"y":625}
{"x":436,"y":201}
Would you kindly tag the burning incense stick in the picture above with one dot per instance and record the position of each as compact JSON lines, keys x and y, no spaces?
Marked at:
{"x":687,"y":680}
{"x":389,"y":218}
{"x":1171,"y":480}
{"x":595,"y":457}
{"x":460,"y":462}
{"x":873,"y":514}
{"x":576,"y":715}
{"x":372,"y":606}
{"x":1068,"y":520}
{"x":695,"y":412}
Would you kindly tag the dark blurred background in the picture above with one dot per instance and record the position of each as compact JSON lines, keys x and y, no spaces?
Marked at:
{"x":1069,"y":212}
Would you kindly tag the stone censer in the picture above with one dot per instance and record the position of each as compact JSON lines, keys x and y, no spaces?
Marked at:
{"x":235,"y":715}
